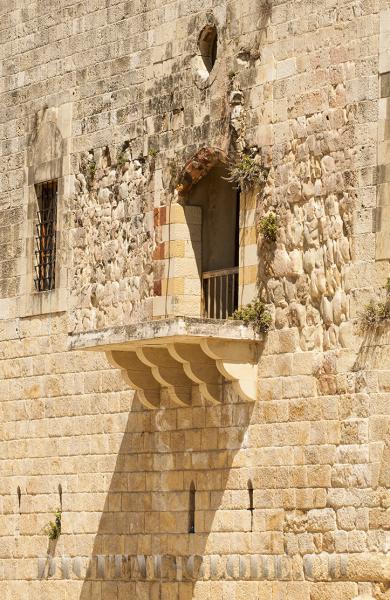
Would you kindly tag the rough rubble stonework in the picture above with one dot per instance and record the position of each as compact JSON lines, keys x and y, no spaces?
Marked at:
{"x":111,"y":225}
{"x":113,"y":100}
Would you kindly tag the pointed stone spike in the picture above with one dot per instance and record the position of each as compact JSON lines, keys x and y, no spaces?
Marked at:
{"x":180,"y":395}
{"x":168,"y":372}
{"x":150,"y":398}
{"x":137,"y":375}
{"x":200,"y":369}
{"x":211,"y":392}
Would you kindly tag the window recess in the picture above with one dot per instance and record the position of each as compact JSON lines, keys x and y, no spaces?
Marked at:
{"x":45,"y":236}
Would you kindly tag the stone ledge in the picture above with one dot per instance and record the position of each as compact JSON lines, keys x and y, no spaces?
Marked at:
{"x":177,"y":353}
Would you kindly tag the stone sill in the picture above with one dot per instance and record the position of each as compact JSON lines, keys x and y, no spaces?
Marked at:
{"x":179,"y":353}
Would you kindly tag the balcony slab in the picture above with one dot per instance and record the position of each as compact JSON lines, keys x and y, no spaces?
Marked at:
{"x":176,"y":354}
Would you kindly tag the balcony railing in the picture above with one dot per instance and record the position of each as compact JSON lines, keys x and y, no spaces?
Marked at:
{"x":220,"y":293}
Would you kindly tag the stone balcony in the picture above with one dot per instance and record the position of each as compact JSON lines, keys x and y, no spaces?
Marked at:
{"x":178,"y":353}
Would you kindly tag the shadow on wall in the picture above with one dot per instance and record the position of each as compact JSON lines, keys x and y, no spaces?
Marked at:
{"x":373,"y":352}
{"x":158,"y":521}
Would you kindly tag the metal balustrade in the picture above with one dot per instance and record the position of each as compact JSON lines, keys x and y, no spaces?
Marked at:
{"x":220,"y":293}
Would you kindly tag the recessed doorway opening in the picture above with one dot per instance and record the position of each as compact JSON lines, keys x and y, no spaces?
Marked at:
{"x":217,"y":254}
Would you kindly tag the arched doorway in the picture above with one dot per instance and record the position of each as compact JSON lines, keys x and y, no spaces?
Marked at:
{"x":217,"y":251}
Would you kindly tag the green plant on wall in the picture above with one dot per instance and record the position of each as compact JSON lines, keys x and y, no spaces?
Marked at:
{"x":91,"y":170}
{"x":247,"y":171}
{"x":255,"y":314}
{"x":88,"y":168}
{"x":121,"y":160}
{"x":123,"y":156}
{"x":53,"y":528}
{"x":268,"y":227}
{"x":375,"y":313}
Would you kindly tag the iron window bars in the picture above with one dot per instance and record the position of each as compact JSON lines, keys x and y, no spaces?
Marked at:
{"x":45,"y":236}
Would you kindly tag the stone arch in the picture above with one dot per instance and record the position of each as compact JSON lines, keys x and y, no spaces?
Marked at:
{"x":211,"y":206}
{"x":49,"y":180}
{"x":49,"y":143}
{"x":198,"y":167}
{"x":48,"y":152}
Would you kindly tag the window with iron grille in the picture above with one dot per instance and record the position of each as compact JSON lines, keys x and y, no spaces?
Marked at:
{"x":45,"y":236}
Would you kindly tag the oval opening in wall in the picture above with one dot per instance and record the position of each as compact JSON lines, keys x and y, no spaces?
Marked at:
{"x":208,"y":46}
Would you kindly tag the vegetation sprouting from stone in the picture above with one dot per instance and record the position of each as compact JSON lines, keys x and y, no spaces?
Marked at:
{"x":88,"y":168}
{"x":121,"y":160}
{"x":92,"y":169}
{"x":53,"y":528}
{"x":375,"y":313}
{"x":254,"y":314}
{"x":123,"y":156}
{"x":269,"y":227}
{"x":247,"y":171}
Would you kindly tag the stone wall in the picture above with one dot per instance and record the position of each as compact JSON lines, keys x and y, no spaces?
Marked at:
{"x":112,"y":270}
{"x":297,"y":83}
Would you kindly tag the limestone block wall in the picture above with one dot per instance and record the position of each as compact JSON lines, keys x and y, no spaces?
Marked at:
{"x":297,"y":82}
{"x":313,"y":446}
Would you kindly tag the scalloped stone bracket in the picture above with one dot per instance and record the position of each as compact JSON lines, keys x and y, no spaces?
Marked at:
{"x":177,"y":355}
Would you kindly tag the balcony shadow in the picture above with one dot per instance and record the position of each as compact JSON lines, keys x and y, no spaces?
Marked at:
{"x":143,"y":548}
